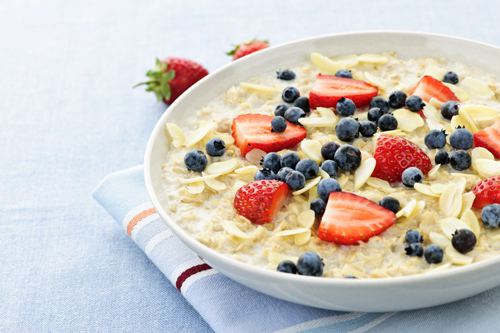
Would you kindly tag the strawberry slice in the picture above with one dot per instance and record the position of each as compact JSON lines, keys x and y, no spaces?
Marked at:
{"x":394,"y":155}
{"x":328,"y":89}
{"x":349,"y":219}
{"x":489,"y":138}
{"x":260,"y":200}
{"x":487,"y":192}
{"x":252,"y":131}
{"x":428,"y":87}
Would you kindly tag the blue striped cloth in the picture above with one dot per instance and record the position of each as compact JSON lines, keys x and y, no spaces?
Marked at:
{"x":230,"y":307}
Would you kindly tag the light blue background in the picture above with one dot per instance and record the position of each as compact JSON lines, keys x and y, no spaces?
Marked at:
{"x":68,"y":116}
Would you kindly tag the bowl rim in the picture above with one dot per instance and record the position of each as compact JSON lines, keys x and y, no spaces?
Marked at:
{"x":200,"y":248}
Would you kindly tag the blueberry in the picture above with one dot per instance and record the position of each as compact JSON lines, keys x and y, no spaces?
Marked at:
{"x":450,"y":77}
{"x":345,"y":107}
{"x":278,"y":124}
{"x":265,"y":174}
{"x":397,"y":99}
{"x":318,"y":206}
{"x":195,"y":160}
{"x":308,"y":168}
{"x":463,"y":240}
{"x":215,"y":147}
{"x":460,"y":160}
{"x":326,"y":186}
{"x":449,"y":109}
{"x":330,"y":167}
{"x":285,"y":75}
{"x":280,"y":110}
{"x":287,"y":266}
{"x":311,"y":264}
{"x":303,"y":103}
{"x":411,"y":176}
{"x":290,"y":94}
{"x":414,"y":103}
{"x":435,"y":139}
{"x":413,"y":236}
{"x":295,"y":180}
{"x":381,"y":103}
{"x":490,"y":215}
{"x":328,"y":150}
{"x":414,"y":250}
{"x":442,"y":157}
{"x":461,"y":138}
{"x":387,"y":122}
{"x":367,"y":128}
{"x":390,"y":203}
{"x":347,"y":129}
{"x":374,"y":114}
{"x":348,"y":157}
{"x":281,"y":175}
{"x":433,"y":254}
{"x":293,"y":114}
{"x":345,"y":73}
{"x":272,"y":161}
{"x":290,"y":160}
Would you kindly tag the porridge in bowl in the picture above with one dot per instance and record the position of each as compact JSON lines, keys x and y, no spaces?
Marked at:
{"x":359,"y":166}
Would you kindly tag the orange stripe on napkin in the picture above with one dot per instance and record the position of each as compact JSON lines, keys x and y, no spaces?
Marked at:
{"x":138,"y":218}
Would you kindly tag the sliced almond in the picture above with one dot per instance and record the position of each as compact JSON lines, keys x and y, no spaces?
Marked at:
{"x":233,"y":229}
{"x":425,"y":189}
{"x":254,"y":156}
{"x":195,"y":188}
{"x":306,"y":218}
{"x":450,"y":201}
{"x":303,"y":238}
{"x":247,"y":170}
{"x":291,"y":232}
{"x":451,"y":224}
{"x":469,"y":120}
{"x":198,"y":135}
{"x":439,"y":239}
{"x":329,"y":66}
{"x":309,"y":185}
{"x":379,"y":184}
{"x":435,"y":102}
{"x":372,"y":58}
{"x":376,"y":81}
{"x":460,"y":121}
{"x":432,"y":174}
{"x":274,"y":258}
{"x":316,"y":122}
{"x":223,"y":167}
{"x":461,"y":94}
{"x":456,"y":257}
{"x":438,"y":188}
{"x":323,"y":173}
{"x":198,"y":179}
{"x":259,"y":89}
{"x":363,"y":172}
{"x":215,"y":184}
{"x":408,"y":209}
{"x":312,"y":149}
{"x":476,"y":88}
{"x":480,"y":152}
{"x":177,"y":134}
{"x":408,"y":121}
{"x":467,"y":201}
{"x":327,"y":113}
{"x":470,"y":219}
{"x":481,"y":113}
{"x":487,"y":168}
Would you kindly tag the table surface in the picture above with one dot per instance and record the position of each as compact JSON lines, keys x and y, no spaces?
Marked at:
{"x":69,"y":117}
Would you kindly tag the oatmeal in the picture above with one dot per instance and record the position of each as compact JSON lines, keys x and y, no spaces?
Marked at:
{"x":380,"y":166}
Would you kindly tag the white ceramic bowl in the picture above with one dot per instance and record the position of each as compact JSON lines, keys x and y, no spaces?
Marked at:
{"x":386,"y":294}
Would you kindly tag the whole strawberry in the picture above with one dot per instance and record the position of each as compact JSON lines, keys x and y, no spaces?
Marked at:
{"x":246,"y":48}
{"x":171,"y":77}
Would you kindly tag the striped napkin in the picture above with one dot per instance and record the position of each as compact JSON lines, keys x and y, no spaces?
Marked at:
{"x":230,"y":307}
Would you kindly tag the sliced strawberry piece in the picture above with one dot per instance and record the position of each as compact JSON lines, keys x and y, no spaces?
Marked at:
{"x":253,"y":131}
{"x":487,"y":192}
{"x":428,"y":87}
{"x":328,"y":89}
{"x":395,"y":154}
{"x":489,"y":138}
{"x":349,"y":219}
{"x":260,"y":200}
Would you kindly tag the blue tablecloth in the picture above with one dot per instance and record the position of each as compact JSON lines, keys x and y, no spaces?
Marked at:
{"x":68,"y":116}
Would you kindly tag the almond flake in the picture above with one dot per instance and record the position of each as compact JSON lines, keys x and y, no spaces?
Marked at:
{"x":439,"y":239}
{"x":223,"y":167}
{"x":327,"y":113}
{"x":467,"y":201}
{"x":215,"y":184}
{"x":438,"y":188}
{"x":476,"y":88}
{"x":247,"y":170}
{"x":363,"y":172}
{"x":408,"y":121}
{"x":487,"y":168}
{"x":470,"y":219}
{"x":177,"y":135}
{"x":312,"y":149}
{"x":461,"y":94}
{"x":198,"y":179}
{"x":469,"y":120}
{"x":303,"y":238}
{"x":307,"y":218}
{"x":376,"y":81}
{"x":323,"y":173}
{"x":309,"y":185}
{"x":195,"y":188}
{"x":460,"y":121}
{"x":275,"y":258}
{"x":456,"y":257}
{"x":198,"y":135}
{"x":254,"y":156}
{"x":329,"y":66}
{"x":450,"y":224}
{"x":379,"y":184}
{"x":481,"y":113}
{"x":408,"y":209}
{"x":315,"y":122}
{"x":292,"y":232}
{"x":259,"y":89}
{"x":375,"y":59}
{"x":425,"y":189}
{"x":233,"y":230}
{"x":450,"y":201}
{"x":434,"y":171}
{"x":435,"y":102}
